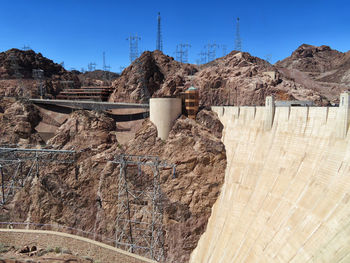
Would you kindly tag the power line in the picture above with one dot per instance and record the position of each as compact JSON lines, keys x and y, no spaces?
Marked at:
{"x":159,"y":45}
{"x":238,"y":41}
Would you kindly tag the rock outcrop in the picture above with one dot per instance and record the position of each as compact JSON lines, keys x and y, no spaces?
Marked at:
{"x":236,"y":79}
{"x":321,"y":69}
{"x":17,"y":123}
{"x":84,"y":194}
{"x":146,"y":75}
{"x":16,"y":74}
{"x":97,"y":78}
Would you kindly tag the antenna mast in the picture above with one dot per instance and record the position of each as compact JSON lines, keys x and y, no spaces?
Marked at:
{"x":238,"y":41}
{"x":159,"y":45}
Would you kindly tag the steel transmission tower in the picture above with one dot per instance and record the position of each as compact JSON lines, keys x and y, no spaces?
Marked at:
{"x":26,"y":48}
{"x":224,"y":50}
{"x":202,"y":57}
{"x":211,"y":51}
{"x":105,"y":68}
{"x":182,"y":52}
{"x":16,"y":72}
{"x":38,"y":75}
{"x":134,"y":47}
{"x":91,"y":66}
{"x":238,"y":41}
{"x":159,"y":45}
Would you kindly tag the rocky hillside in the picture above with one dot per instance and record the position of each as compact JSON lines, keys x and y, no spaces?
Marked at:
{"x":84,"y":195}
{"x":97,"y":78}
{"x":236,"y":79}
{"x":148,"y":74}
{"x":17,"y":64}
{"x":321,"y":69}
{"x":242,"y":79}
{"x":17,"y":122}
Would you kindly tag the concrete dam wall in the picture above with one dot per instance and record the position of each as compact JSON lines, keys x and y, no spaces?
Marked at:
{"x":286,"y":196}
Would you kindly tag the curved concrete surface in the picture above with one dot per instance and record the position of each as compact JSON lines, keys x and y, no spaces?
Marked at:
{"x":80,"y":245}
{"x":163,"y":113}
{"x":286,"y":196}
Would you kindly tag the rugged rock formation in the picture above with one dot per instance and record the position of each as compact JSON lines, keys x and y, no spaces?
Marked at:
{"x":196,"y":149}
{"x":236,"y":79}
{"x":17,"y":122}
{"x":147,"y":74}
{"x":321,"y":69}
{"x":97,"y":78}
{"x":241,"y":79}
{"x":18,"y":64}
{"x":84,"y":195}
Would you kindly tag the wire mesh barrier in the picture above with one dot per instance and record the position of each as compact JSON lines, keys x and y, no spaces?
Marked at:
{"x":58,"y":228}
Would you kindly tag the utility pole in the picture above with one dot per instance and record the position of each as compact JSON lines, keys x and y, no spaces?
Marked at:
{"x":182,"y":52}
{"x":159,"y":45}
{"x":238,"y":41}
{"x":134,"y":47}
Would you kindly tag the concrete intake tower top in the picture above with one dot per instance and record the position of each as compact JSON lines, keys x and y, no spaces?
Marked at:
{"x":163,"y":113}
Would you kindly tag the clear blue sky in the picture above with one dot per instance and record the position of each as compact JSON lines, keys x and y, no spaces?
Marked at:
{"x":78,"y":31}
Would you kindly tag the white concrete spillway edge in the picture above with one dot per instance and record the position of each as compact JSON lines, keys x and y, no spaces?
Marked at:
{"x":343,"y":113}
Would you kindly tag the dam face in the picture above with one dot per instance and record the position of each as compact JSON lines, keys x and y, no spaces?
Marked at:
{"x":287,"y":187}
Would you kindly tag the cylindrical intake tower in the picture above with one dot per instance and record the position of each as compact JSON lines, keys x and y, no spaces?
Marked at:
{"x":163,"y":113}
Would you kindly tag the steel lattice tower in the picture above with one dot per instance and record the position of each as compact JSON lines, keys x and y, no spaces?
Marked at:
{"x":38,"y":75}
{"x":139,"y":190}
{"x":134,"y":47}
{"x":238,"y":41}
{"x":91,"y":66}
{"x":105,"y":68}
{"x":16,"y":70}
{"x":159,"y":45}
{"x":211,"y":51}
{"x":224,"y":50}
{"x":182,"y":52}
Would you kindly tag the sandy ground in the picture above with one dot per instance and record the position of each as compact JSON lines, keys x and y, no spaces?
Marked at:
{"x":52,"y":255}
